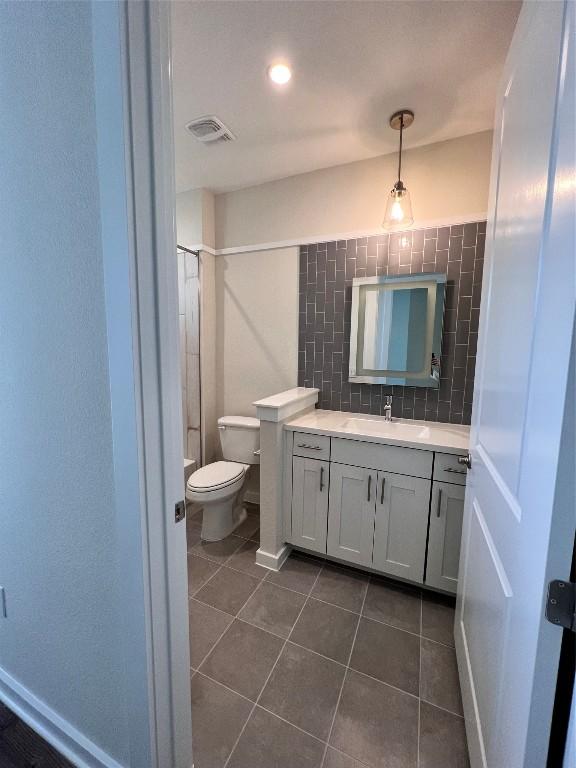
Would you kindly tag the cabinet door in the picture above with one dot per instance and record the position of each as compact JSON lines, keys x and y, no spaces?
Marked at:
{"x":401,"y":525}
{"x":351,"y":516}
{"x":446,"y":514}
{"x":309,"y":503}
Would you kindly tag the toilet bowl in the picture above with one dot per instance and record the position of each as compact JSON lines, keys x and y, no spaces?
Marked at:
{"x":219,"y":487}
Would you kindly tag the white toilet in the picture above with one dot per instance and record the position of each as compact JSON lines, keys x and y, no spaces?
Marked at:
{"x":219,"y":487}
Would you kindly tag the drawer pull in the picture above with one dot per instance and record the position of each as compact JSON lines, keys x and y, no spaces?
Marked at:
{"x":369,"y":486}
{"x":455,"y":471}
{"x":309,"y":447}
{"x":467,"y":460}
{"x":321,"y":479}
{"x":439,"y":507}
{"x":382,"y":493}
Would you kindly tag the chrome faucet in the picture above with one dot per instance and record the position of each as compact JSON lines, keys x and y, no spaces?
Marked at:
{"x":388,"y":408}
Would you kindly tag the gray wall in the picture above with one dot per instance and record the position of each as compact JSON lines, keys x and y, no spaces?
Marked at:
{"x":62,"y":640}
{"x":326,"y":274}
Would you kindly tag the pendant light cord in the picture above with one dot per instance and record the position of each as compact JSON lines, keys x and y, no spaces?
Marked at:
{"x":400,"y":151}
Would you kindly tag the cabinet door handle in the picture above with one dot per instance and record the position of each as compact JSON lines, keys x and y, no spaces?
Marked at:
{"x":438,"y":508}
{"x":309,"y":447}
{"x":382,"y":493}
{"x":321,"y":479}
{"x":455,"y":471}
{"x":369,"y":486}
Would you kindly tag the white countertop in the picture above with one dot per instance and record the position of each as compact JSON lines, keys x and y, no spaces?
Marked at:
{"x":285,"y":404}
{"x":429,"y":435}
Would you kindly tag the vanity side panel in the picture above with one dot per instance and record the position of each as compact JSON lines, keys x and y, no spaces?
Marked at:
{"x":387,"y":458}
{"x":287,"y":484}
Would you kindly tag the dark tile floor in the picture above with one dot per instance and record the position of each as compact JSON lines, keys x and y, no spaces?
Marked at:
{"x":316,"y":666}
{"x":21,"y":747}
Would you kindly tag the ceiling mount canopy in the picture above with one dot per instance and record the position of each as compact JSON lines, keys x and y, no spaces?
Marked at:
{"x":399,"y":207}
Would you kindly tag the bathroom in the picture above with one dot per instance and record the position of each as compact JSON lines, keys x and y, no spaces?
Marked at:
{"x":287,"y":311}
{"x":325,"y":499}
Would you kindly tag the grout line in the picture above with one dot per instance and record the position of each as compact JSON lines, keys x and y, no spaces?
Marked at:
{"x":419,"y":686}
{"x":198,"y":551}
{"x":448,"y":711}
{"x":193,"y":594}
{"x":275,"y":714}
{"x":356,"y":613}
{"x":269,"y":711}
{"x":345,"y":673}
{"x":270,"y":673}
{"x":226,"y":629}
{"x":355,"y":759}
{"x":437,"y":642}
{"x":227,"y":687}
{"x":318,"y":599}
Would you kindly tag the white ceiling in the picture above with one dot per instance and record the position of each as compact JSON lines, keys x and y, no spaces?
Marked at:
{"x":354,"y":63}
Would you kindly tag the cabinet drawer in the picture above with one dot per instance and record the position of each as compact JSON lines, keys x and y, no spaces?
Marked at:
{"x":388,"y":458}
{"x":447,"y":469}
{"x":311,"y":446}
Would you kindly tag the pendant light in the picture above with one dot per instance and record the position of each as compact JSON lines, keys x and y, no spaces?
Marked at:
{"x":399,"y":208}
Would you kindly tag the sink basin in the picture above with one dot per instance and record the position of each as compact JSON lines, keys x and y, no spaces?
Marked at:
{"x":399,"y":429}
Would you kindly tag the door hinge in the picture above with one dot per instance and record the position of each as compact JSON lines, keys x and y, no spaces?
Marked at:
{"x":179,"y":511}
{"x":561,"y":604}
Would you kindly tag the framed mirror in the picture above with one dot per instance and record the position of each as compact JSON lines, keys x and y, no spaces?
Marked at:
{"x":396,"y":329}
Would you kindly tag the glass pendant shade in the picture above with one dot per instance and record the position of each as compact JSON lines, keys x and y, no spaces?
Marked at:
{"x":398,"y":209}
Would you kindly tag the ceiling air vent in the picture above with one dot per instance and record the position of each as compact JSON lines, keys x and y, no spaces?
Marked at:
{"x":209,"y":130}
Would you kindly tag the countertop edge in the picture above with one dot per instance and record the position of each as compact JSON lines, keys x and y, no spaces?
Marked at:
{"x":402,"y":443}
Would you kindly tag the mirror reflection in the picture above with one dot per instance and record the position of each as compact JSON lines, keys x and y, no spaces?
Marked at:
{"x":396,"y":329}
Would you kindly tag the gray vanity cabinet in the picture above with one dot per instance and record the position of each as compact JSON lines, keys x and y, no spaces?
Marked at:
{"x":391,"y":508}
{"x":446,"y":514}
{"x":351,"y":519}
{"x":310,"y":503}
{"x":401,"y":520}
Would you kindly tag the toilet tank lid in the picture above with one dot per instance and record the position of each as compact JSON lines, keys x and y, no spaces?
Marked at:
{"x":245,"y":422}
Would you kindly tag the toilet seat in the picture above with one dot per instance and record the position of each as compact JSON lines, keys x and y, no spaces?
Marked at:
{"x":215,"y":476}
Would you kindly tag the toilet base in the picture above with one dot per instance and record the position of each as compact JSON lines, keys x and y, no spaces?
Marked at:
{"x":222,"y":519}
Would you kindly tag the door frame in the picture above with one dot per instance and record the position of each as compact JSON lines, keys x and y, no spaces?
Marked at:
{"x":152,"y":276}
{"x":131,"y":53}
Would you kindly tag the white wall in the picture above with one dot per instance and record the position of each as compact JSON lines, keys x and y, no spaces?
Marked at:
{"x":195,"y":217}
{"x":448,"y":180}
{"x":62,"y":643}
{"x":257,"y":327}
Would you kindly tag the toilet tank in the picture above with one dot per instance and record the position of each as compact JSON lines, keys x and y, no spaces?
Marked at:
{"x":240,"y":438}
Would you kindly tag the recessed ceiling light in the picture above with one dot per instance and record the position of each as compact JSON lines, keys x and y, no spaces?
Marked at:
{"x":279,"y":73}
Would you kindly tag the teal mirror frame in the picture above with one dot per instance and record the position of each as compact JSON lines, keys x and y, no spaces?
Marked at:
{"x":429,"y":374}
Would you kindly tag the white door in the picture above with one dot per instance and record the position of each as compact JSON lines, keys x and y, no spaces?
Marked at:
{"x":310,"y":503}
{"x":507,"y":652}
{"x":351,"y":513}
{"x":445,"y":535}
{"x":401,"y":525}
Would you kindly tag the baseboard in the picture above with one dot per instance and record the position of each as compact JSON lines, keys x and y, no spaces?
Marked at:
{"x":273,"y":561}
{"x":59,"y":733}
{"x":476,"y":752}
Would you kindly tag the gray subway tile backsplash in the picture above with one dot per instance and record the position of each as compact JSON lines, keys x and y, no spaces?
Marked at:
{"x":326,"y":274}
